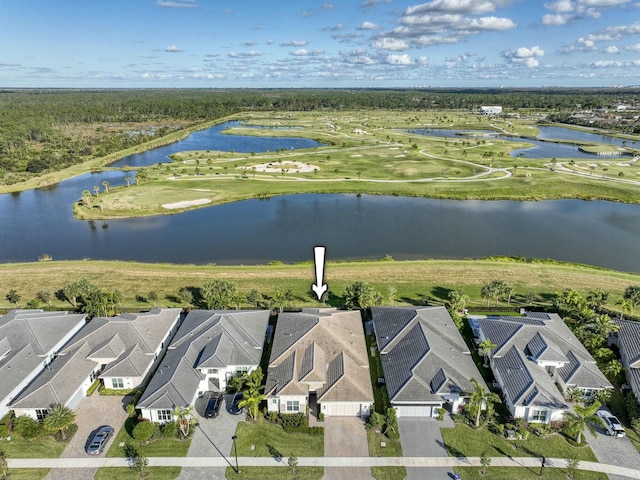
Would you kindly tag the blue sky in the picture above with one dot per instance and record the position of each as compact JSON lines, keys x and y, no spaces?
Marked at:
{"x":359,"y":43}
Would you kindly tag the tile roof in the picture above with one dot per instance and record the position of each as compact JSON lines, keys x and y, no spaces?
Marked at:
{"x":423,"y":354}
{"x":141,"y":334}
{"x":629,"y":344}
{"x":206,"y":339}
{"x":320,"y":346}
{"x":27,"y":337}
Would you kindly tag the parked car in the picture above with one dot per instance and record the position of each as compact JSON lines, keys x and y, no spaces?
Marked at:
{"x":213,"y":405}
{"x":99,"y":440}
{"x":234,"y":409}
{"x":611,"y":423}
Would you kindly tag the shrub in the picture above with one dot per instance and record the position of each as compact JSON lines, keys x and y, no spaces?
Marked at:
{"x":143,"y":431}
{"x":635,"y":425}
{"x":293,"y":420}
{"x":441,"y":412}
{"x":170,"y":430}
{"x":321,"y":417}
{"x":70,"y":431}
{"x":93,"y":387}
{"x":28,"y":427}
{"x":631,"y":405}
{"x":3,"y":431}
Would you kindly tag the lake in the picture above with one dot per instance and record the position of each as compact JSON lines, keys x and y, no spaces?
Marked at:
{"x":286,"y":228}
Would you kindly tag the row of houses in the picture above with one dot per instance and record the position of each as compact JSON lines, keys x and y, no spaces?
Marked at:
{"x":319,"y":361}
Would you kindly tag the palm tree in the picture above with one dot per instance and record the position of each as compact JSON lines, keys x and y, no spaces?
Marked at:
{"x":612,"y":369}
{"x":253,"y":396}
{"x":96,"y":189}
{"x":128,"y":180}
{"x":602,"y":325}
{"x":58,"y":419}
{"x":86,"y":198}
{"x":486,"y":347}
{"x":14,"y":297}
{"x":626,"y":305}
{"x":184,"y":416}
{"x":583,"y":417}
{"x":479,"y":398}
{"x":105,"y":184}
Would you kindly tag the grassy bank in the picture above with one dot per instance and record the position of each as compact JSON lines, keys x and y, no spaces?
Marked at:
{"x":415,"y":282}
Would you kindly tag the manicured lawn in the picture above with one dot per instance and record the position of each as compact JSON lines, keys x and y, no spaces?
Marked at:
{"x":275,"y":473}
{"x":463,"y":441}
{"x":28,"y":473}
{"x":121,"y":473}
{"x":515,"y":473}
{"x":43,"y":447}
{"x":269,"y":439}
{"x":162,"y":447}
{"x":392,"y":449}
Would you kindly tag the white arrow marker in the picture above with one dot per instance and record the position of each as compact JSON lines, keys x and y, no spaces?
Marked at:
{"x":319,"y":287}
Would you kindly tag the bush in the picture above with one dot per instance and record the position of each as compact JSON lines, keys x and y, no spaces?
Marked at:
{"x":170,"y":430}
{"x":93,"y":387}
{"x":3,"y":431}
{"x":321,"y":417}
{"x":143,"y":431}
{"x":69,"y":432}
{"x":28,"y":427}
{"x":635,"y":425}
{"x":631,"y":405}
{"x":293,"y":420}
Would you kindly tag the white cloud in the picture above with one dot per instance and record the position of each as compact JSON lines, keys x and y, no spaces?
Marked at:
{"x":303,"y":52}
{"x":177,"y":3}
{"x":387,"y":43}
{"x":611,"y":50}
{"x":251,"y":54}
{"x":173,"y":49}
{"x":555,"y":19}
{"x":566,"y":11}
{"x":294,"y":43}
{"x":561,"y":6}
{"x":524,"y":56}
{"x":466,"y":7}
{"x":402,"y":59}
{"x":368,"y":26}
{"x":633,"y":48}
{"x":358,"y":57}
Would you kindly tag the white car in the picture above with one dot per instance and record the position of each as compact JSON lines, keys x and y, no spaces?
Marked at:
{"x":611,"y":423}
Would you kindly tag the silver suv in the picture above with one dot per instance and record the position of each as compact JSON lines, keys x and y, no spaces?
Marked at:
{"x":611,"y":423}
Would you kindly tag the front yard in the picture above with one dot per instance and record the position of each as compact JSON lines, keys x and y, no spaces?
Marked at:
{"x":44,"y":447}
{"x":156,"y":447}
{"x":511,"y":473}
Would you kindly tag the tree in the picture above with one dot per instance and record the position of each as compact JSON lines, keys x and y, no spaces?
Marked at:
{"x":632,"y":293}
{"x":485,"y":461}
{"x":581,"y":418}
{"x":486,"y":346}
{"x":253,"y":396}
{"x":602,"y":325}
{"x":58,"y":419}
{"x":86,"y":198}
{"x":255,"y":297}
{"x":612,"y":369}
{"x":143,"y":431}
{"x":186,"y":296}
{"x":457,"y":300}
{"x":141,"y":463}
{"x":597,"y":298}
{"x":96,"y":189}
{"x":153,"y":297}
{"x":105,"y":184}
{"x":77,"y":289}
{"x":360,"y":295}
{"x":219,"y":294}
{"x":128,"y":180}
{"x":572,"y":466}
{"x":44,"y":296}
{"x":184,"y":416}
{"x":4,"y":464}
{"x":293,"y":464}
{"x":626,"y":305}
{"x":480,"y":397}
{"x":14,"y":297}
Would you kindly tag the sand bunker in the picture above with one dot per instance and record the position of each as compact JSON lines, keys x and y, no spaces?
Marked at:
{"x":399,"y":156}
{"x":354,"y":156}
{"x":623,"y":164}
{"x":276,"y":167}
{"x":186,"y":203}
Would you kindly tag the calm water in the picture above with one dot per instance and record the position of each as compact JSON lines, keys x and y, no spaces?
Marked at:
{"x":539,"y":149}
{"x":286,"y":228}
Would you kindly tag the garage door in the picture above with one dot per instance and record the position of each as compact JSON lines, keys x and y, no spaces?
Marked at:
{"x":336,"y":409}
{"x":76,"y":399}
{"x":414,"y":410}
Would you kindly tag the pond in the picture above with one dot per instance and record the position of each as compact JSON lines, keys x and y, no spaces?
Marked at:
{"x":37,"y":222}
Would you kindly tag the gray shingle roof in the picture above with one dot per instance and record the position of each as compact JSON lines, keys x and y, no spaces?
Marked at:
{"x":26,"y":338}
{"x":141,"y":335}
{"x":424,"y":356}
{"x":206,"y":339}
{"x":320,"y":346}
{"x":546,"y":338}
{"x":629,"y":344}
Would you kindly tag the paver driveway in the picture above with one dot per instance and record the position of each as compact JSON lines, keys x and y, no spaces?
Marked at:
{"x":93,"y":412}
{"x":212,"y":438}
{"x":613,"y":450}
{"x":345,"y":437}
{"x":421,"y":437}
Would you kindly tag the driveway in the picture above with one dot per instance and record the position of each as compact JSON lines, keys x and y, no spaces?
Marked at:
{"x":345,"y":437}
{"x":613,"y":450}
{"x":212,"y":438}
{"x":421,"y":437}
{"x":93,"y":412}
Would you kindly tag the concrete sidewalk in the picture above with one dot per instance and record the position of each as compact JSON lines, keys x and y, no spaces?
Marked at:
{"x":321,"y":462}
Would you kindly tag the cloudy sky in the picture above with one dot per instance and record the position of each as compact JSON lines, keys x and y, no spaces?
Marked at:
{"x":301,"y":43}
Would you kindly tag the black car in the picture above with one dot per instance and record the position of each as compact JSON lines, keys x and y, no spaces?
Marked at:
{"x":213,"y":405}
{"x":99,"y":440}
{"x":234,"y":409}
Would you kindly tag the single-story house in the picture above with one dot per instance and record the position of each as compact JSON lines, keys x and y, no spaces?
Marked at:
{"x":534,"y":353}
{"x":209,"y":348}
{"x":29,"y":341}
{"x":319,"y":359}
{"x":425,"y":360}
{"x":627,"y":338}
{"x":121,"y":351}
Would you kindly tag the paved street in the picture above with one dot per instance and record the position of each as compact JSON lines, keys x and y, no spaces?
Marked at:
{"x":345,"y":436}
{"x":421,"y":437}
{"x":93,"y":412}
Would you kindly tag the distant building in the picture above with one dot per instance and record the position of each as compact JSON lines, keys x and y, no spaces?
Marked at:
{"x":494,"y":110}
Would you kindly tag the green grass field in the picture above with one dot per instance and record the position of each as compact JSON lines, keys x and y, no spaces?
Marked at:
{"x":268,"y":438}
{"x":373,"y":153}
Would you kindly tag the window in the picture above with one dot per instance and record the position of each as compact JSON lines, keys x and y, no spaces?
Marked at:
{"x":117,"y":383}
{"x":212,"y":370}
{"x":241,"y":370}
{"x":293,"y":406}
{"x":539,"y":416}
{"x":41,"y":414}
{"x":165,"y":415}
{"x":274,"y":401}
